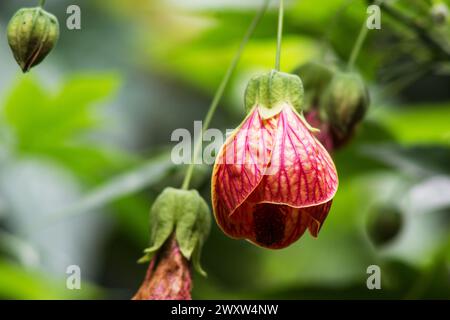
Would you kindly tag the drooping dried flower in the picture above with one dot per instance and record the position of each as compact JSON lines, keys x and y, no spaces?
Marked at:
{"x":180,"y":223}
{"x":168,"y":276}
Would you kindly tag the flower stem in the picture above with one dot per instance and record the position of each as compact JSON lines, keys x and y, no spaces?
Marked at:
{"x":221,"y":90}
{"x":279,"y":35}
{"x":360,"y":41}
{"x":41,"y":3}
{"x":358,"y":45}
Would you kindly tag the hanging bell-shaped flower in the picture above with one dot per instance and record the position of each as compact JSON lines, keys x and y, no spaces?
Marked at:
{"x":273,"y":179}
{"x":32,"y":34}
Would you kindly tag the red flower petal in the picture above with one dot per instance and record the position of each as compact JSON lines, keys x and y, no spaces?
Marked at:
{"x":301,"y":173}
{"x":240,"y":166}
{"x":283,"y":183}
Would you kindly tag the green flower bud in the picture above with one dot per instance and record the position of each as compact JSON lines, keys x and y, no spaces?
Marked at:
{"x":315,"y":77}
{"x":384,"y":225}
{"x":270,"y":91}
{"x":32,"y":34}
{"x":185,"y":214}
{"x":439,"y":13}
{"x":345,"y":102}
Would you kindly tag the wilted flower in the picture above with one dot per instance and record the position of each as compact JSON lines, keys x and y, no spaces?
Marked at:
{"x":32,"y":34}
{"x":272,"y":178}
{"x":180,"y":223}
{"x":168,"y":276}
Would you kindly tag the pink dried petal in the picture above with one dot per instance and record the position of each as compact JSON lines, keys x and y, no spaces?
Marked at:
{"x":168,"y":276}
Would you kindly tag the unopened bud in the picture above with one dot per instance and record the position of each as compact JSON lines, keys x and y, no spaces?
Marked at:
{"x":32,"y":34}
{"x":315,"y":77}
{"x":346,"y":102}
{"x":439,"y":13}
{"x":384,"y":225}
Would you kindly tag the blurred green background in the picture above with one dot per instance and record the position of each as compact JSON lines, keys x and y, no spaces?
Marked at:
{"x":85,"y":149}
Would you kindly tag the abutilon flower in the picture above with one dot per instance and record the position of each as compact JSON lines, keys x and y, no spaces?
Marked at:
{"x":273,"y":179}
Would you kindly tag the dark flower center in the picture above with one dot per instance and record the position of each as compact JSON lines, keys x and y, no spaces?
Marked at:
{"x":268,"y":223}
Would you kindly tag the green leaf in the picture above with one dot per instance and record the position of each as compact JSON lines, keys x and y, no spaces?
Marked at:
{"x":41,"y":120}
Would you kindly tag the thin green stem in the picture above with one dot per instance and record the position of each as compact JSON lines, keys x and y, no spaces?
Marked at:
{"x":358,"y":45}
{"x":332,"y":23}
{"x":41,"y":3}
{"x":221,"y":90}
{"x":360,"y":41}
{"x":279,"y":35}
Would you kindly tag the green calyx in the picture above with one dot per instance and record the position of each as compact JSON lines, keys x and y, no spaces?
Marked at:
{"x":185,"y":214}
{"x":32,"y":34}
{"x":346,"y":102}
{"x":270,"y":92}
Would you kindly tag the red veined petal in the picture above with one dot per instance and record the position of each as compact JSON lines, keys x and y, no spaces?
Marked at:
{"x":240,"y":166}
{"x":301,"y":173}
{"x":273,"y":180}
{"x":317,"y":215}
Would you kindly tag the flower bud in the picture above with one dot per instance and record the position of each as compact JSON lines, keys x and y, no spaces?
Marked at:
{"x":384,"y":224}
{"x":345,"y":102}
{"x":32,"y":34}
{"x":315,"y":76}
{"x":186,"y":215}
{"x":439,"y":13}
